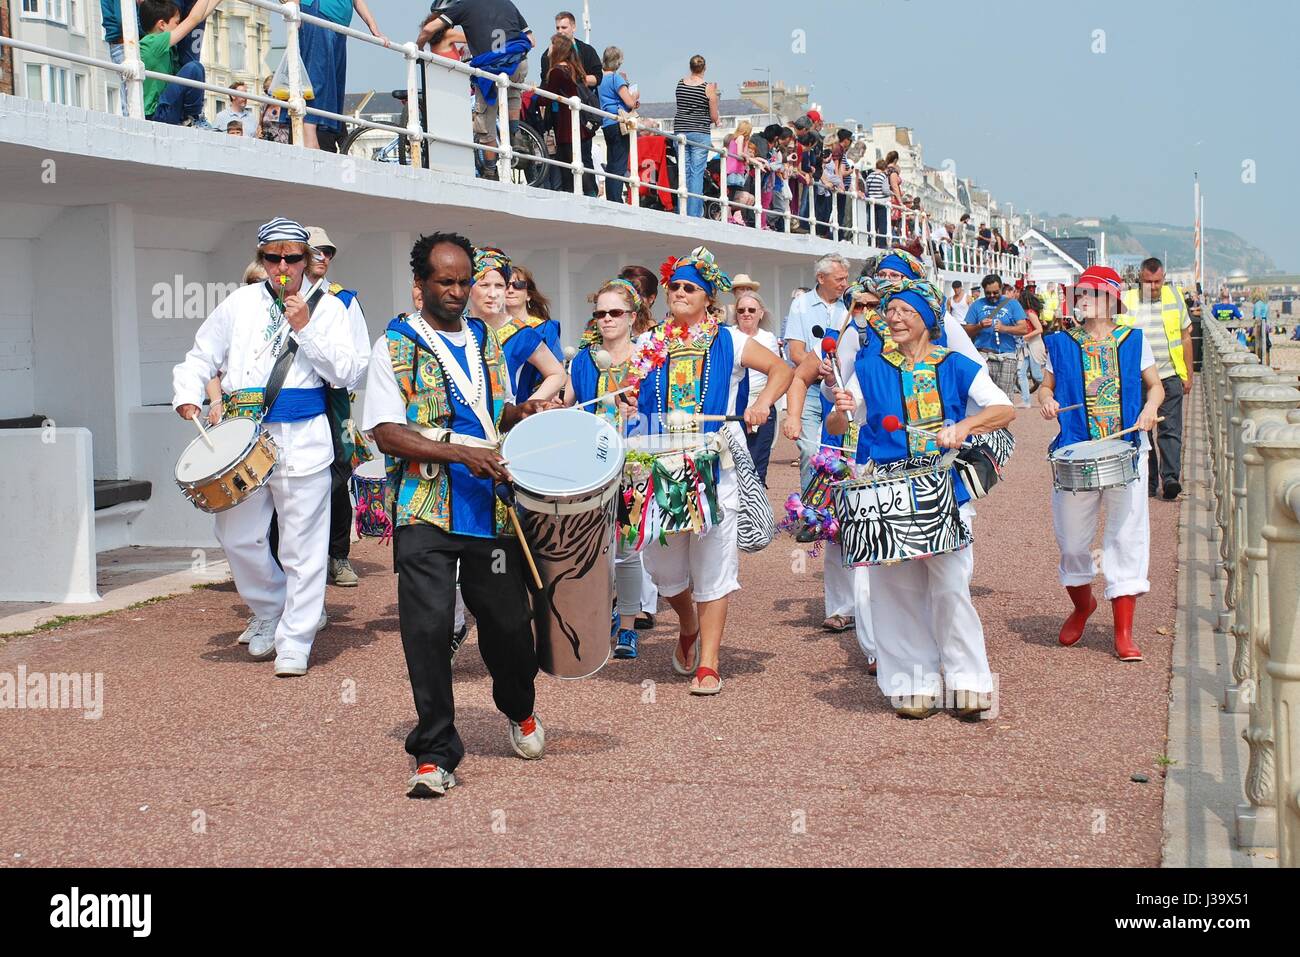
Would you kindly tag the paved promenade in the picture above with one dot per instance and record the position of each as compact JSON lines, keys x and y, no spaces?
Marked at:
{"x":201,"y":757}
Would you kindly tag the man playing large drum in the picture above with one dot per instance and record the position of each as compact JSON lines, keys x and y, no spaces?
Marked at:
{"x":690,"y":365}
{"x":1097,"y":372}
{"x":601,"y":369}
{"x":437,"y":396}
{"x":297,"y":342}
{"x":922,"y":616}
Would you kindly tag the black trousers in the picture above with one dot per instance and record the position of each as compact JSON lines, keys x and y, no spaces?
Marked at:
{"x":1167,"y":465}
{"x":760,"y":445}
{"x":492,"y":584}
{"x":340,"y":513}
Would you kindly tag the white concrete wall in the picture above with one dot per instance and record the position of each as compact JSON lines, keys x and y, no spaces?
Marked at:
{"x":158,"y":437}
{"x":47,"y":503}
{"x":17,"y":380}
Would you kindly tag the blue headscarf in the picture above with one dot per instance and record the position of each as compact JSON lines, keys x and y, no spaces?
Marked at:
{"x":924,"y":298}
{"x":900,"y":260}
{"x":700,"y":268}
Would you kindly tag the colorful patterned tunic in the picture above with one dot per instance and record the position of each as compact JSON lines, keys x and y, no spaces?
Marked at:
{"x":1100,"y":383}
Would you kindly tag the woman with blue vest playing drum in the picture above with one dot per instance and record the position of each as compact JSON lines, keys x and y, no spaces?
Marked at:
{"x":602,"y":368}
{"x":1093,"y":386}
{"x":911,"y":397}
{"x":535,"y":373}
{"x":691,"y":366}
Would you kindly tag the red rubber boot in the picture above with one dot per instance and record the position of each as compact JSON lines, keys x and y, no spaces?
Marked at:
{"x":1084,"y":605}
{"x":1124,"y":647}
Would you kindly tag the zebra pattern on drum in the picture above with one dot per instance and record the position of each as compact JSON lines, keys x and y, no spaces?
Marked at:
{"x":900,"y":513}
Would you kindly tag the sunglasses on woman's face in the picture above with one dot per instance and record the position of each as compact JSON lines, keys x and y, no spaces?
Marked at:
{"x":748,"y":310}
{"x":519,"y":285}
{"x":291,"y":259}
{"x":612,"y":313}
{"x":683,"y":287}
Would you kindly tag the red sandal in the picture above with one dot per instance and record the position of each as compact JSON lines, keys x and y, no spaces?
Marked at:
{"x":700,"y":675}
{"x":694,"y":642}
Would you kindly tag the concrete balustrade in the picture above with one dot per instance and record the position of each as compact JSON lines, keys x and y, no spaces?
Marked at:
{"x":1241,"y":377}
{"x":1252,"y":415}
{"x":1281,"y":670}
{"x":1263,"y":410}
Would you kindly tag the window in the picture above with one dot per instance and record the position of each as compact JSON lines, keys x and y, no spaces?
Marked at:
{"x":78,"y":89}
{"x":77,"y":16}
{"x":53,"y":10}
{"x":35,"y":88}
{"x":113,"y":97}
{"x":238,"y":29}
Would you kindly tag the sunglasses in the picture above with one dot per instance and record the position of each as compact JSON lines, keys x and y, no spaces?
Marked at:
{"x":612,"y":313}
{"x":275,"y":259}
{"x":683,"y":287}
{"x":519,"y":285}
{"x":747,"y":310}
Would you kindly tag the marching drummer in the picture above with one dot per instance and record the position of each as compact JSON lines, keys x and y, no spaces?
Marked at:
{"x":438,"y":395}
{"x":1104,"y":368}
{"x":692,"y":365}
{"x":277,"y":336}
{"x":921,"y":611}
{"x":602,"y":369}
{"x":523,"y":343}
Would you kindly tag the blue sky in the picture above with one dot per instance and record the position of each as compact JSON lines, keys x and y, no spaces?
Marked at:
{"x":1011,"y":91}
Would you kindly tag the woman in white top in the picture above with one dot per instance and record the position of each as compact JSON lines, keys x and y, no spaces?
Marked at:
{"x":751,"y":313}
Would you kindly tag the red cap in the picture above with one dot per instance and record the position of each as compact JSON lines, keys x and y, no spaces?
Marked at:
{"x":1105,"y":279}
{"x":814,"y":116}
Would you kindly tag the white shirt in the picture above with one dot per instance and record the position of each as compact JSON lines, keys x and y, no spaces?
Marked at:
{"x":1147,"y":361}
{"x":360,"y":340}
{"x":958,"y":310}
{"x":758,"y":380}
{"x":245,"y":116}
{"x":228,"y":343}
{"x":810,"y":310}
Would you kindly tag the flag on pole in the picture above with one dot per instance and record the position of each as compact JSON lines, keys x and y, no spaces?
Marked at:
{"x":586,"y":18}
{"x":1196,"y":232}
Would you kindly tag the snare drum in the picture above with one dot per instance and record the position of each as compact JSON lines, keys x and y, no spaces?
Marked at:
{"x":898,"y":516}
{"x":566,"y":465}
{"x":240,"y":461}
{"x":1094,"y":465}
{"x":669,"y":486}
{"x":369,"y":485}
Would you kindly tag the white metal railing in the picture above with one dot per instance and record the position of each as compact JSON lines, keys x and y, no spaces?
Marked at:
{"x":1253,"y":420}
{"x":855,"y":224}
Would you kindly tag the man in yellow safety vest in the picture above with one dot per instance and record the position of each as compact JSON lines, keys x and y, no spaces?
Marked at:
{"x":1160,"y":312}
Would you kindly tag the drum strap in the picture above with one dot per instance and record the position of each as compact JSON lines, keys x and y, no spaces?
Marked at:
{"x":280,"y":371}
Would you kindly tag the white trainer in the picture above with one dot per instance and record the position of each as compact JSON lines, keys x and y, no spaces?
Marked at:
{"x":324,"y":620}
{"x":290,"y":664}
{"x":430,"y":780}
{"x":262,"y":644}
{"x":254,"y":626}
{"x":528,"y":746}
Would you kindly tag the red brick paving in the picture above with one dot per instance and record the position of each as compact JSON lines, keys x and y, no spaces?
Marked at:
{"x":203,"y":758}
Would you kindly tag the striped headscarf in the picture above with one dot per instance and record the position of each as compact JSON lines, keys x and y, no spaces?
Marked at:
{"x":488,"y":258}
{"x":900,"y":260}
{"x":281,"y":230}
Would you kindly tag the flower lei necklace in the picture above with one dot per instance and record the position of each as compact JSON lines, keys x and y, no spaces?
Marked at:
{"x":655,"y":351}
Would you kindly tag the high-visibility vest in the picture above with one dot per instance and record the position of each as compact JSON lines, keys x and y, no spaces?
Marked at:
{"x":1171,"y":311}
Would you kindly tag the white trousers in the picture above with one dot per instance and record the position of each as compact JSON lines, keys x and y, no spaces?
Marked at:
{"x":709,"y":564}
{"x":1125,"y":543}
{"x":295,"y":595}
{"x":649,"y":593}
{"x":862,"y":611}
{"x":924,"y":621}
{"x":837,"y":581}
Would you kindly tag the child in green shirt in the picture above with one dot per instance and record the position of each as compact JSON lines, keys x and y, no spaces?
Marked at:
{"x":170,"y":102}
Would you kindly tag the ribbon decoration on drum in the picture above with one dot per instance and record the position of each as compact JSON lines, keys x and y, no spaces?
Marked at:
{"x":566,"y":466}
{"x":669,"y":486}
{"x":903,"y":511}
{"x":369,"y":485}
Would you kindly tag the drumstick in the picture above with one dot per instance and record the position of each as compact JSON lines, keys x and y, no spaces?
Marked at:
{"x":503,"y":492}
{"x":603,"y":398}
{"x":1131,"y":428}
{"x":569,"y":353}
{"x":197,"y":419}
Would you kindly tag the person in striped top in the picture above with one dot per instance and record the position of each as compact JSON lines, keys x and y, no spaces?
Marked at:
{"x":697,"y":114}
